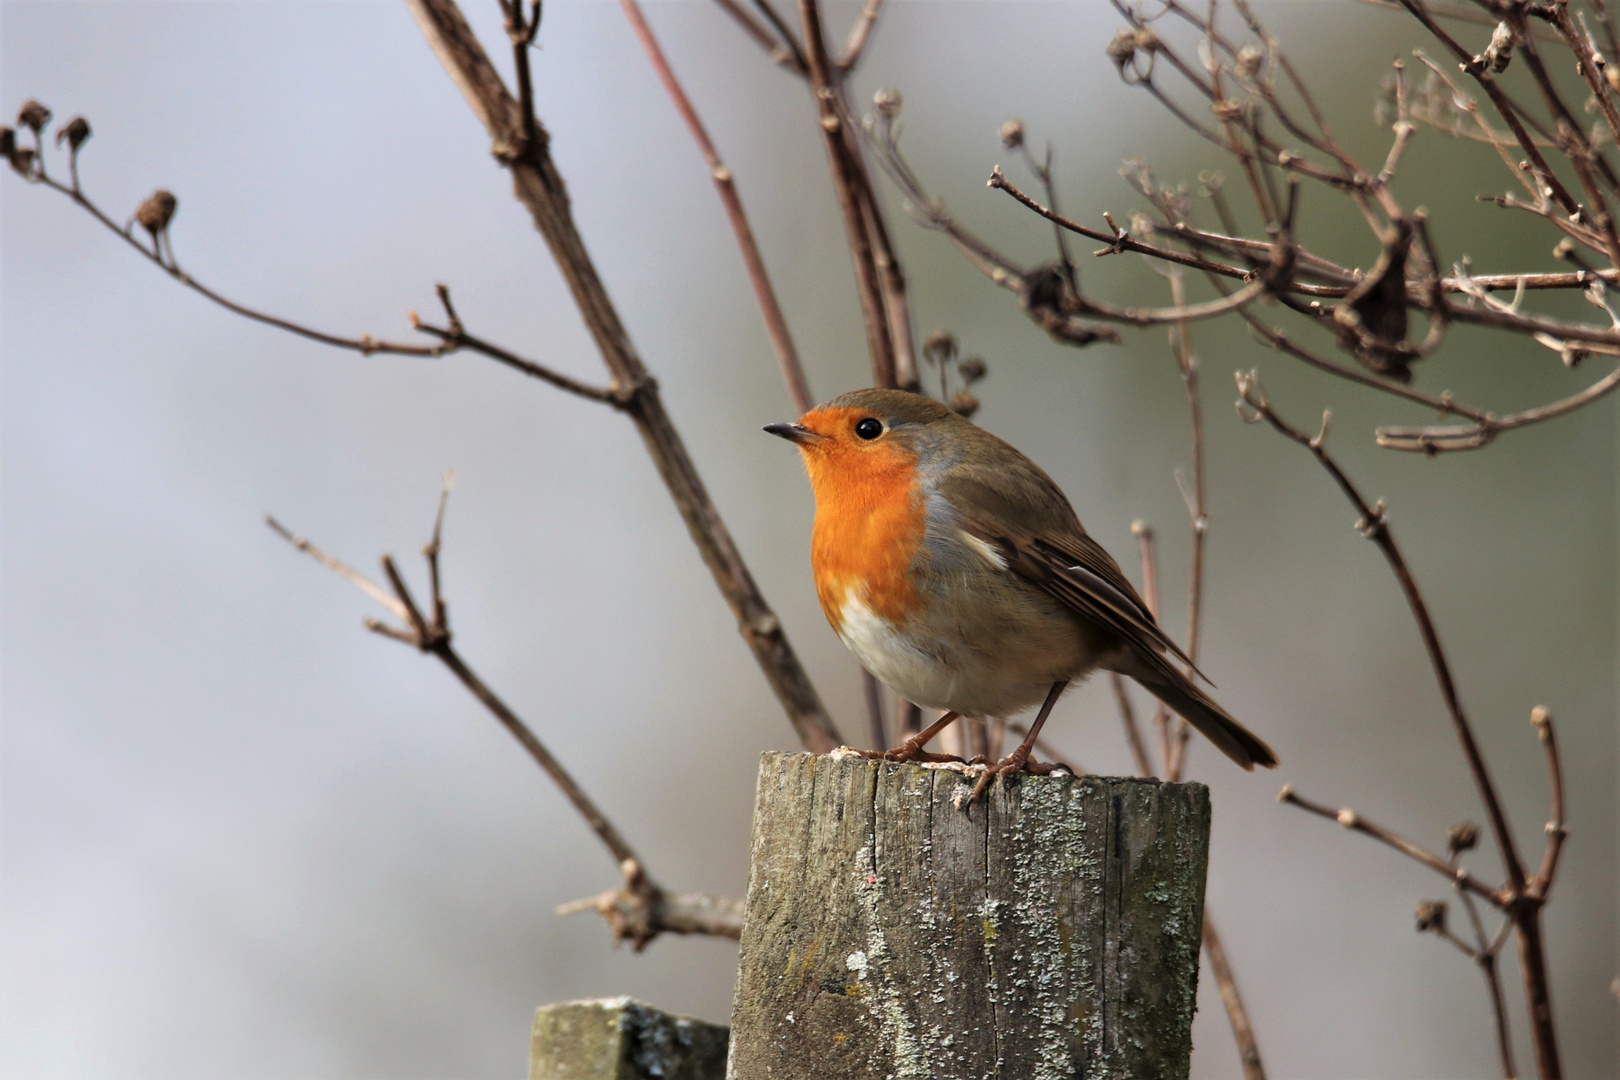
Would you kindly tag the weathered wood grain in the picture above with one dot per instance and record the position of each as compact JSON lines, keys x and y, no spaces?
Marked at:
{"x":1052,"y":931}
{"x":623,"y":1039}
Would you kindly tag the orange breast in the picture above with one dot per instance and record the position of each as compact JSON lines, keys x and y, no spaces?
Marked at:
{"x":869,"y":525}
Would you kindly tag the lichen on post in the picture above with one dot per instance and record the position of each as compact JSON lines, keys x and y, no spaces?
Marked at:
{"x":1050,"y":931}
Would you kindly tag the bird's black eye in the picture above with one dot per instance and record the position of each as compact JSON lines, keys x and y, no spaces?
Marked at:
{"x":869,"y":428}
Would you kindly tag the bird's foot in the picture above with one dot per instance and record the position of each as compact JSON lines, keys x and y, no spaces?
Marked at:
{"x":1019,"y":761}
{"x":907,"y":752}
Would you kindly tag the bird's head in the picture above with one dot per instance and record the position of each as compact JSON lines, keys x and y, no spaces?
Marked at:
{"x":868,"y":436}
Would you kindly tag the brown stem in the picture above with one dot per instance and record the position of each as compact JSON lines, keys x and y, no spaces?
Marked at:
{"x":642,"y":913}
{"x":1236,"y":1014}
{"x":365,"y":344}
{"x":1509,"y":111}
{"x":846,"y":183}
{"x":1353,"y":821}
{"x":860,"y":34}
{"x":541,"y":189}
{"x":1375,"y":526}
{"x":1537,"y":990}
{"x":762,"y":35}
{"x":1133,"y":731}
{"x":1197,"y":506}
{"x":1435,"y":439}
{"x":1541,"y":884}
{"x":641,"y":909}
{"x":872,"y":690}
{"x":726,"y":185}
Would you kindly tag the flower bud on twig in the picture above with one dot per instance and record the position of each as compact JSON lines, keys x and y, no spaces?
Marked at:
{"x":33,"y":116}
{"x":1012,"y":133}
{"x":74,"y":133}
{"x":887,"y":102}
{"x":1462,"y":837}
{"x":156,"y":212}
{"x":1431,"y":916}
{"x":940,"y":347}
{"x":1249,"y":59}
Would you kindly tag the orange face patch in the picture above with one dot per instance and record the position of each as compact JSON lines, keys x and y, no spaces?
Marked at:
{"x":869,"y":516}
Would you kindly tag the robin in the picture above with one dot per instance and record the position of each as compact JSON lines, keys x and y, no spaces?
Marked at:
{"x":958,"y":574}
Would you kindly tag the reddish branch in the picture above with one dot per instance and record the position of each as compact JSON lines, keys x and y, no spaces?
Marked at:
{"x":726,"y":185}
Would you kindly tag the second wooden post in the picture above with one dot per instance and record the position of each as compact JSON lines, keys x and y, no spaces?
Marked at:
{"x":1052,"y":931}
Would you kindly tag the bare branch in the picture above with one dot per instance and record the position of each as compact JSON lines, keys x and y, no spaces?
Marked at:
{"x":1556,"y":831}
{"x":847,"y":182}
{"x":1242,"y":1029}
{"x":365,"y":344}
{"x":726,"y":185}
{"x":542,"y":191}
{"x":639,"y":911}
{"x":762,"y":36}
{"x":1438,"y":439}
{"x":1374,"y":525}
{"x":1353,"y":821}
{"x":860,"y":34}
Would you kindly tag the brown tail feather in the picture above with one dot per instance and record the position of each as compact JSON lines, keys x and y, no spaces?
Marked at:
{"x":1215,"y":723}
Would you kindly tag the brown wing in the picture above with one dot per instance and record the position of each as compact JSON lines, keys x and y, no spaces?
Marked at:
{"x":1049,"y":548}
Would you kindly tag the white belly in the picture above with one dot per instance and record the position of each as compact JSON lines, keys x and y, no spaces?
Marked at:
{"x":893,"y":657}
{"x":972,"y":678}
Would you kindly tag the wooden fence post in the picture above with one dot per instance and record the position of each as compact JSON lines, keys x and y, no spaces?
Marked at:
{"x":1052,"y":931}
{"x":622,"y":1039}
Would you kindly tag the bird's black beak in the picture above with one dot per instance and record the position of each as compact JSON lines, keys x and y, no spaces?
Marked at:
{"x":797,"y":433}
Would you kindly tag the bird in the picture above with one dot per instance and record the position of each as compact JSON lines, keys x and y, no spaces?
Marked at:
{"x":959,"y":575}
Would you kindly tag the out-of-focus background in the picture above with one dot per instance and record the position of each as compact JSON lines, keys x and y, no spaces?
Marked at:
{"x":243,"y":838}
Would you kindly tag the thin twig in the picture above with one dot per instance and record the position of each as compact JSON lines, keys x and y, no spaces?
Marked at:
{"x":641,"y":910}
{"x":860,"y":34}
{"x":1374,"y":525}
{"x":541,"y":189}
{"x":1436,"y":439}
{"x":1353,"y":821}
{"x":846,"y":184}
{"x":1197,"y":505}
{"x":726,"y":185}
{"x":365,"y":344}
{"x":1238,"y":1015}
{"x":1556,"y":830}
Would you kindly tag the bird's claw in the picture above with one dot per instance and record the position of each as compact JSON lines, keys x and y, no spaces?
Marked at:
{"x":906,"y":752}
{"x":1019,"y":761}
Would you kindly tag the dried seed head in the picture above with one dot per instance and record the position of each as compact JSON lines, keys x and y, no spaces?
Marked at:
{"x":1431,"y":916}
{"x":1249,"y":59}
{"x":964,"y":404}
{"x":1227,"y":109}
{"x":1012,"y":133}
{"x":156,"y":212}
{"x":887,"y":102}
{"x":940,"y":347}
{"x":22,"y":159}
{"x":74,"y":133}
{"x":1122,"y":50}
{"x":8,"y":142}
{"x":33,"y":116}
{"x":972,"y":369}
{"x":1462,"y":837}
{"x":1499,"y":51}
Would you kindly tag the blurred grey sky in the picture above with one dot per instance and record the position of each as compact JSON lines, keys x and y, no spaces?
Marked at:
{"x":243,"y":838}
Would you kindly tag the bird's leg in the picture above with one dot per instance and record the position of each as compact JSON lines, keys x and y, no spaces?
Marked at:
{"x":1018,"y":760}
{"x":912,"y":748}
